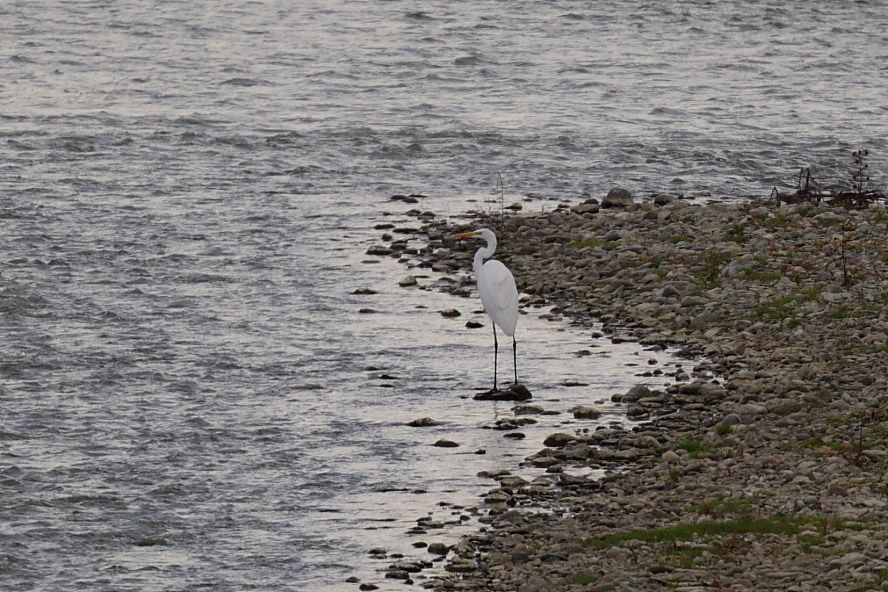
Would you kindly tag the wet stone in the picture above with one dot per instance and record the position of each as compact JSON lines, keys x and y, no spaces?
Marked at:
{"x":516,"y":392}
{"x":423,"y":422}
{"x":582,"y":412}
{"x":439,"y":548}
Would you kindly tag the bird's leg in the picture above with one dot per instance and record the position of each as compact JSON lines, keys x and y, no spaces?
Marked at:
{"x":495,"y":347}
{"x":515,"y":358}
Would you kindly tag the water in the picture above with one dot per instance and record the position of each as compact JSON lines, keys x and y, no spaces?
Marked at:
{"x":189,"y":395}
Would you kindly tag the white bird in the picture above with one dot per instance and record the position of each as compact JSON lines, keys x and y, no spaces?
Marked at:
{"x":498,"y":293}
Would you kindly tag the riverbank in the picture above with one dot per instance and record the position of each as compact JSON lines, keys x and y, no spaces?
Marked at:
{"x":770,"y":477}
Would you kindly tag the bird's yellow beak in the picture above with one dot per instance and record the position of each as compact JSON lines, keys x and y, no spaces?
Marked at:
{"x":466,"y":234}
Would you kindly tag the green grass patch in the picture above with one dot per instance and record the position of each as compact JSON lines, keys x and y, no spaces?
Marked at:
{"x":718,"y":506}
{"x":840,"y":311}
{"x":589,"y":242}
{"x":787,"y":309}
{"x":678,"y":238}
{"x":581,"y":579}
{"x":758,"y":271}
{"x":776,"y":222}
{"x":761,"y":275}
{"x":723,"y":429}
{"x":694,"y":448}
{"x":737,"y":234}
{"x":709,"y":275}
{"x":779,"y":525}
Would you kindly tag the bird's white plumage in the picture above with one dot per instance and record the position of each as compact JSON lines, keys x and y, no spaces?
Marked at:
{"x":499,"y":295}
{"x":498,"y":292}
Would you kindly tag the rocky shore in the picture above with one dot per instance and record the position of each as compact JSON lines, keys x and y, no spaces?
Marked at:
{"x":766,"y":467}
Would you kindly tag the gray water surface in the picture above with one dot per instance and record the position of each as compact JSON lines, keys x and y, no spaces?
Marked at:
{"x":190,"y":396}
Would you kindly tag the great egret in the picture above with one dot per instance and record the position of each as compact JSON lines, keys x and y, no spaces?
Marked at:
{"x":498,"y":293}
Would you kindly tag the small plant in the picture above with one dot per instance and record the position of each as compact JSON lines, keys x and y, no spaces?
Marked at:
{"x":694,"y":448}
{"x":678,"y":238}
{"x":859,"y":196}
{"x":859,"y":179}
{"x":589,"y":242}
{"x":719,"y":506}
{"x":843,"y":254}
{"x":709,"y":276}
{"x":757,"y":271}
{"x":840,"y":311}
{"x":787,"y":309}
{"x":737,"y":234}
{"x":581,"y":579}
{"x":723,"y":429}
{"x":776,"y":222}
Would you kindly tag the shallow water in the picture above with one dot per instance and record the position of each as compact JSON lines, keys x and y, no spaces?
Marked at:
{"x":189,"y":395}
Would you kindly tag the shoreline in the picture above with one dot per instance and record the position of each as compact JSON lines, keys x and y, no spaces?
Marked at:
{"x":771,"y":477}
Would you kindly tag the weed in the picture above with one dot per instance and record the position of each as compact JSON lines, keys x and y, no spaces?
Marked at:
{"x":589,"y":242}
{"x":757,"y":271}
{"x":719,"y":506}
{"x":581,"y":579}
{"x":723,"y":429}
{"x":787,"y":309}
{"x":737,"y":234}
{"x":776,"y":222}
{"x":780,"y":524}
{"x":709,"y":276}
{"x":840,"y":311}
{"x":694,"y":447}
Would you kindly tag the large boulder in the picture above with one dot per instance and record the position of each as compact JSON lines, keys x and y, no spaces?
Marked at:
{"x":617,"y":198}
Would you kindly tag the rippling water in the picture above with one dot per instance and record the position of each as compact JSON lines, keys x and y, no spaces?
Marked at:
{"x":189,"y":395}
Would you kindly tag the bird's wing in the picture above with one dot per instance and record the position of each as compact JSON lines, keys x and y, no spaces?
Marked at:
{"x":499,"y":295}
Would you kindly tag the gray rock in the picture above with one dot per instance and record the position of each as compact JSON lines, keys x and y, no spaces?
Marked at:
{"x":558,"y":440}
{"x":439,"y":549}
{"x":730,"y":419}
{"x":527,"y":410}
{"x":379,"y":250}
{"x":669,"y":291}
{"x":442,"y":443}
{"x":617,"y":197}
{"x":639,"y":391}
{"x":409,"y":567}
{"x":586,"y":412}
{"x":407,"y":281}
{"x":461,"y":565}
{"x":586,"y":208}
{"x":423,"y":422}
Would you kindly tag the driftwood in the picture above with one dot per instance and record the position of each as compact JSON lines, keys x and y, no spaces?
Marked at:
{"x":808,"y":190}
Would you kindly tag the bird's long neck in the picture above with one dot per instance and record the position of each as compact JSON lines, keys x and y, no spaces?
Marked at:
{"x":484,"y":253}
